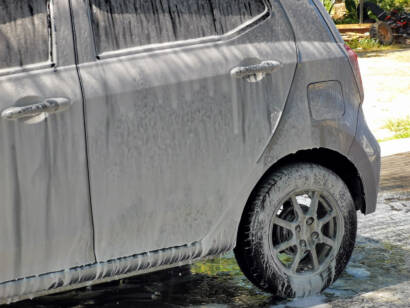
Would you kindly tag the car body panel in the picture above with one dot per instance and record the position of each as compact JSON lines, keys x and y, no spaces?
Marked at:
{"x":320,"y":60}
{"x":129,"y":142}
{"x":172,"y":136}
{"x":348,"y":135}
{"x":45,"y":224}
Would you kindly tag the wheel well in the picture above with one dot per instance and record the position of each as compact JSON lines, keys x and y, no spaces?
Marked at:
{"x":330,"y":159}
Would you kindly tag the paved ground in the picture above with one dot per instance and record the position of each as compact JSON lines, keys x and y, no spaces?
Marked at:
{"x":395,"y":146}
{"x":386,"y":78}
{"x":395,"y":173}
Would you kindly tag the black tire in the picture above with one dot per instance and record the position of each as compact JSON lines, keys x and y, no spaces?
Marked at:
{"x":382,"y":32}
{"x":260,"y":236}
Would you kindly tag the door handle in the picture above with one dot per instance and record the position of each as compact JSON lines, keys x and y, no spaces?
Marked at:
{"x":48,"y":105}
{"x":256,"y":72}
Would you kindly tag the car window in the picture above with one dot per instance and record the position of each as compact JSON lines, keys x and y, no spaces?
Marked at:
{"x":24,"y":32}
{"x":120,"y":24}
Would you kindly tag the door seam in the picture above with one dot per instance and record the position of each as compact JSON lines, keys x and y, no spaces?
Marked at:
{"x":297,"y":64}
{"x":85,"y":125}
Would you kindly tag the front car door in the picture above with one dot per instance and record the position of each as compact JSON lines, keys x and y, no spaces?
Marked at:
{"x":45,"y":221}
{"x":176,"y":120}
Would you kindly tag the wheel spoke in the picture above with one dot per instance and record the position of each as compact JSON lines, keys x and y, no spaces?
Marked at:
{"x":329,"y":216}
{"x":297,"y":207}
{"x":297,"y":260}
{"x":315,"y":259}
{"x":314,"y":204}
{"x":285,"y":245}
{"x":328,"y":241}
{"x":283,"y":223}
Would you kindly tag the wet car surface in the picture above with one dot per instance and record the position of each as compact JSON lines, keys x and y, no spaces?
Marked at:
{"x":378,"y":274}
{"x":157,"y":129}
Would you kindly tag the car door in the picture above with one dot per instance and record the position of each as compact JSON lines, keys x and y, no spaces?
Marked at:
{"x":181,"y":100}
{"x":45,"y":221}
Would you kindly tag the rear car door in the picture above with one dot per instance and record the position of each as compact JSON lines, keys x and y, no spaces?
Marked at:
{"x":181,"y":100}
{"x":45,"y":221}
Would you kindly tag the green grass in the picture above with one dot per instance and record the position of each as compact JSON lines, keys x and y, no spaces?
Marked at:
{"x":400,"y":128}
{"x":216,"y":266}
{"x":364,"y":45}
{"x":349,"y":19}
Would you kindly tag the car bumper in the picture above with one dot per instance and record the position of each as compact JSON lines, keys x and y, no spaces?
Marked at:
{"x":365,"y":154}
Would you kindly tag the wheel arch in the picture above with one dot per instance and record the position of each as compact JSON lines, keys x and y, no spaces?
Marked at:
{"x":327,"y":158}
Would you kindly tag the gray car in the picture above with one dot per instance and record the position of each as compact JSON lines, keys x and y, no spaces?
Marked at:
{"x":138,"y":135}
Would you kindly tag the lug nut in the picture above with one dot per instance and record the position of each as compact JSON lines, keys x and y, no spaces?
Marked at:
{"x":298,"y":229}
{"x":303,"y":244}
{"x":315,"y":235}
{"x":310,"y":221}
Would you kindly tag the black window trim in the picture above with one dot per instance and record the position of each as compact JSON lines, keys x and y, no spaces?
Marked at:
{"x":233,"y":34}
{"x":52,"y":59}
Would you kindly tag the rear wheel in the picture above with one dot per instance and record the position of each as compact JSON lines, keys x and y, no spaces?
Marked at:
{"x":382,"y":32}
{"x":299,"y":231}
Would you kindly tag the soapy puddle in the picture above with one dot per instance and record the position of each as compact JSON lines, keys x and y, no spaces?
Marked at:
{"x":378,"y":274}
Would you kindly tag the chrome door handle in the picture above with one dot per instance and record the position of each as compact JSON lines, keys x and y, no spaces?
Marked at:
{"x":48,"y":105}
{"x":255,"y":72}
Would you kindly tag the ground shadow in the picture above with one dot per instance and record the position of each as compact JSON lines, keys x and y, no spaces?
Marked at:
{"x":218,"y":282}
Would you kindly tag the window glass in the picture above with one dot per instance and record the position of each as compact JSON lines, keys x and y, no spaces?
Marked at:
{"x":120,"y":24}
{"x":24,"y":34}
